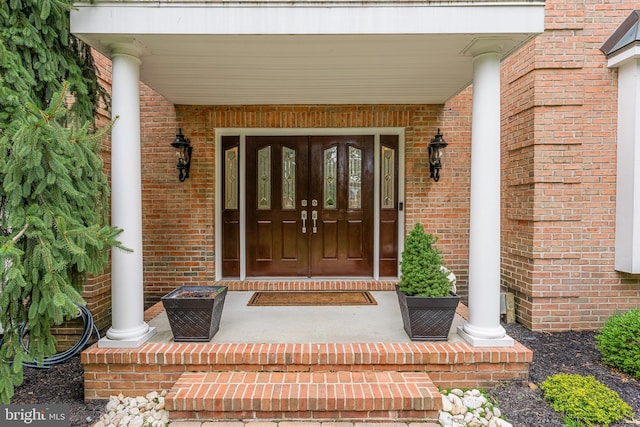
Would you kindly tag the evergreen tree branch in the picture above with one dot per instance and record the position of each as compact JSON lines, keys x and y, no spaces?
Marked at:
{"x":20,"y":233}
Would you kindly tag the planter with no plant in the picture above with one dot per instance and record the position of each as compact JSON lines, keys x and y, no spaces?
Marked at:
{"x":426,"y":291}
{"x":194,"y":312}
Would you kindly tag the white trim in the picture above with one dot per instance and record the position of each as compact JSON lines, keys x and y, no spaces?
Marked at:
{"x":401,"y":199}
{"x":627,"y":241}
{"x":618,"y":59}
{"x":376,"y":205}
{"x":243,"y":206}
{"x":244,"y":132}
{"x":295,"y":18}
{"x":217,"y":206}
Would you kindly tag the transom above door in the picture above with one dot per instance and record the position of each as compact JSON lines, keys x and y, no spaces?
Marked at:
{"x":315,"y":206}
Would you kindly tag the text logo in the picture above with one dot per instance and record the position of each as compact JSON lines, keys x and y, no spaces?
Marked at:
{"x":34,"y":415}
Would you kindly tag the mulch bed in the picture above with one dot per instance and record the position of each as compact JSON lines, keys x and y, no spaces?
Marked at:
{"x":523,"y":405}
{"x":560,"y":352}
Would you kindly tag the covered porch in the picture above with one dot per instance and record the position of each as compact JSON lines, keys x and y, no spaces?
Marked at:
{"x":308,"y":53}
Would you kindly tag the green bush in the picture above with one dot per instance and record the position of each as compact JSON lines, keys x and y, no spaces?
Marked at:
{"x":420,"y":267}
{"x":619,"y":342}
{"x":584,"y":399}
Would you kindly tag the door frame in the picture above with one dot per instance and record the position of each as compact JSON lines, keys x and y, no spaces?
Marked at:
{"x":242,"y":133}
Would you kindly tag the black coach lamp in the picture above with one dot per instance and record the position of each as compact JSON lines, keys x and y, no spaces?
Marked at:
{"x":436,"y":151}
{"x":183,"y":145}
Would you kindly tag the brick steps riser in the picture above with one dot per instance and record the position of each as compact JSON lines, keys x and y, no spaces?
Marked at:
{"x":356,"y":396}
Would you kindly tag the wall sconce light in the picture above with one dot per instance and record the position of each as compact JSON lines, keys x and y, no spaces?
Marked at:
{"x":183,"y":145}
{"x":436,"y":151}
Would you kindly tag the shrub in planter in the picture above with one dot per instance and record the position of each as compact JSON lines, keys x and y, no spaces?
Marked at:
{"x":421,"y":272}
{"x":425,"y":296}
{"x":585,"y":399}
{"x":619,"y":342}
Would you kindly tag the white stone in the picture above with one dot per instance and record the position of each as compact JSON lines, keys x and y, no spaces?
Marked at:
{"x":457,"y":392}
{"x":496,"y":412}
{"x":446,"y":404}
{"x":112,"y":404}
{"x":458,"y":409}
{"x":455,"y":399}
{"x":445,"y":419}
{"x":472,"y":402}
{"x":503,"y":423}
{"x":152,"y":395}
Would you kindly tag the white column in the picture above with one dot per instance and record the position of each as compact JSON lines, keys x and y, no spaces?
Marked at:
{"x":127,"y":294}
{"x":483,"y":328}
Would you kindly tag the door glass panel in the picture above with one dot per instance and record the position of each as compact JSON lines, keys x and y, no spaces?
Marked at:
{"x":288,"y":178}
{"x":355,"y":178}
{"x":388,"y":174}
{"x":264,"y":178}
{"x":231,"y":178}
{"x":330,"y":177}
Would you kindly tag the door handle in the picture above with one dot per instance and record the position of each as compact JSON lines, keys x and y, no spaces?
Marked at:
{"x":314,"y":217}
{"x":303,"y":215}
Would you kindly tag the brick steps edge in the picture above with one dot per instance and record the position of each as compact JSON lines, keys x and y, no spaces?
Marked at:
{"x":344,"y":396}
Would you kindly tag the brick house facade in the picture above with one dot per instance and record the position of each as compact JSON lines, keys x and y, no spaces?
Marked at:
{"x":559,"y":124}
{"x":558,"y":175}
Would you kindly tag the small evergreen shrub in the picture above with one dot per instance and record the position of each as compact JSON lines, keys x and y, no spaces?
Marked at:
{"x":420,"y":272}
{"x":619,"y":342}
{"x":585,"y":399}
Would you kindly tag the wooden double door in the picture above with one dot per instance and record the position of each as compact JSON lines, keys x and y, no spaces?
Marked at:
{"x":309,"y":205}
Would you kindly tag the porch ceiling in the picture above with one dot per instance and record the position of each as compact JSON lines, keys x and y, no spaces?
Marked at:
{"x":238,"y":53}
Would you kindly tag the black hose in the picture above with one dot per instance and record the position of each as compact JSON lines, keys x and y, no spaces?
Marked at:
{"x":88,"y":327}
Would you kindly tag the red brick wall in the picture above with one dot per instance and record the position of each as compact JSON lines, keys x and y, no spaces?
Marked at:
{"x":559,"y":107}
{"x":179,"y":217}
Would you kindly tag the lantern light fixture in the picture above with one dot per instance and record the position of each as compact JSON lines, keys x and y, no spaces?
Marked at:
{"x":436,"y":152}
{"x":183,"y":145}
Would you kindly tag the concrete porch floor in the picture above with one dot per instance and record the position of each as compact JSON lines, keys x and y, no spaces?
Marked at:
{"x":241,"y":323}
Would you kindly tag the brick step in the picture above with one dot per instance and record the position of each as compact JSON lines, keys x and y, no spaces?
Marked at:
{"x":325,"y":396}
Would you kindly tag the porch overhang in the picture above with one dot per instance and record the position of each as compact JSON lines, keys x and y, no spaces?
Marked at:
{"x":307,"y":52}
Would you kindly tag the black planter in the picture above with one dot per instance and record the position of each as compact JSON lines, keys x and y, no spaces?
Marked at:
{"x":194,"y":312}
{"x":427,"y":318}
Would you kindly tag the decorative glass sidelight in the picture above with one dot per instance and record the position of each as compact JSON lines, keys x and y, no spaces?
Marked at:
{"x":330,"y":178}
{"x":264,"y":178}
{"x":388,"y":177}
{"x":231,"y":178}
{"x":288,"y":178}
{"x":355,"y":178}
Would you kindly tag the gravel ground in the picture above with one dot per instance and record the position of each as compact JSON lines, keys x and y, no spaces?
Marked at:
{"x":522,"y":405}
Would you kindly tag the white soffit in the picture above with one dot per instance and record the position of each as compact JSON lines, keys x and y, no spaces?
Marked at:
{"x":232,"y":53}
